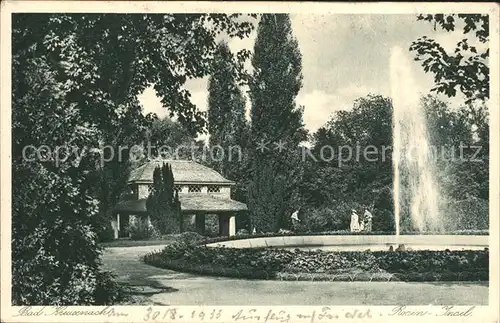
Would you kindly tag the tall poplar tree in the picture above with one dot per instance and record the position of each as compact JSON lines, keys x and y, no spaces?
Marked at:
{"x":277,"y":79}
{"x":226,"y":113}
{"x":275,"y":119}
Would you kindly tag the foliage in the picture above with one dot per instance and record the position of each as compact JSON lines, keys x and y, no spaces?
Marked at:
{"x":211,"y":225}
{"x":316,"y":220}
{"x":462,"y":172}
{"x":462,"y":161}
{"x":276,"y":81}
{"x":162,"y":204}
{"x":333,"y":173}
{"x":226,"y":115}
{"x":164,"y":136}
{"x":336,"y":180}
{"x":332,"y":218}
{"x":54,"y":251}
{"x":76,"y":78}
{"x":337,"y":217}
{"x":227,"y":126}
{"x":267,"y":199}
{"x":467,"y":67}
{"x":190,"y":238}
{"x":104,"y":230}
{"x":142,"y":229}
{"x":383,"y":220}
{"x":108,"y":291}
{"x":275,"y":119}
{"x":468,"y":214}
{"x":269,"y":263}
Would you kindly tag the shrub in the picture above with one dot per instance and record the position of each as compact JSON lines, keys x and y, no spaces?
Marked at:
{"x":383,"y":220}
{"x":141,"y":229}
{"x":104,"y":230}
{"x":468,"y":214}
{"x":108,"y":291}
{"x":316,"y":220}
{"x":211,"y":225}
{"x":333,"y":217}
{"x":243,"y":222}
{"x":340,"y":215}
{"x":190,"y":238}
{"x":242,"y":232}
{"x":267,"y":199}
{"x":56,"y":263}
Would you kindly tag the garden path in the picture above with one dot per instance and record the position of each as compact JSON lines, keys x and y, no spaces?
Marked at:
{"x":167,"y":287}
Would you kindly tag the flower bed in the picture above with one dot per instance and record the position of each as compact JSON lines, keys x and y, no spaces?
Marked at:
{"x":285,"y":264}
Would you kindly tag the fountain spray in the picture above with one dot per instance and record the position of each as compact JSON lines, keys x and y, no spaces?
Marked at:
{"x":415,"y":182}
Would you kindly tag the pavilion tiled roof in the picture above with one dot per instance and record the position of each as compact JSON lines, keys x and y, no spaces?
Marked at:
{"x":209,"y":203}
{"x":131,"y":206}
{"x":195,"y":202}
{"x":184,"y":171}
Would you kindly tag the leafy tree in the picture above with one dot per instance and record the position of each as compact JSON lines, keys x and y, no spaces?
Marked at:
{"x":76,"y":78}
{"x":462,"y":149}
{"x":164,"y":136}
{"x":466,"y":68}
{"x":54,"y":251}
{"x":463,"y":177}
{"x":344,"y":138}
{"x":116,"y":163}
{"x":275,"y":117}
{"x":447,"y":128}
{"x":226,"y":114}
{"x":339,"y":175}
{"x":359,"y":182}
{"x":462,"y":161}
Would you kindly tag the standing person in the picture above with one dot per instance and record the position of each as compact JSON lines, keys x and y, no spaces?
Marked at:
{"x":295,"y":220}
{"x":368,"y":220}
{"x":354,"y":221}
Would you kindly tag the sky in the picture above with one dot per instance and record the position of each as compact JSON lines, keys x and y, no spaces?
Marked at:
{"x":344,"y":57}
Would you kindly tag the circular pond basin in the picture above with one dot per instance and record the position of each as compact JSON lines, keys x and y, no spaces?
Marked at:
{"x":363,"y":242}
{"x":385,"y":247}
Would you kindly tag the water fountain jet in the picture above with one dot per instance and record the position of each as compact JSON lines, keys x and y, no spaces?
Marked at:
{"x":416,"y":190}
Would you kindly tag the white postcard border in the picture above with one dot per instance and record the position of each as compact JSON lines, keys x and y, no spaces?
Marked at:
{"x":138,"y":313}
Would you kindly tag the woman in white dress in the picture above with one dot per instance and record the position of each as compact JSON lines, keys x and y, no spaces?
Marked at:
{"x":354,"y":221}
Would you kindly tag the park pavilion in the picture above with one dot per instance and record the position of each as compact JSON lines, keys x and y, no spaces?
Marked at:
{"x":202,"y":191}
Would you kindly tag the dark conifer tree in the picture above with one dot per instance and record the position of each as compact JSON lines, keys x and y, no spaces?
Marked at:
{"x":160,"y":204}
{"x":275,"y":119}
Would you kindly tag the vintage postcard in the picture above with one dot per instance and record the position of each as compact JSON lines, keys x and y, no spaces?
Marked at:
{"x":293,"y":162}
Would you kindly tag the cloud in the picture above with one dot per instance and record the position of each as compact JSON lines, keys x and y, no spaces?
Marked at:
{"x":320,"y":105}
{"x":344,"y":57}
